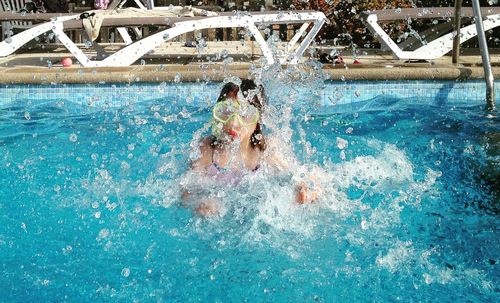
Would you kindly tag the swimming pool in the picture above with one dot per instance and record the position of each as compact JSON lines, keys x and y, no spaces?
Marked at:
{"x":89,"y":200}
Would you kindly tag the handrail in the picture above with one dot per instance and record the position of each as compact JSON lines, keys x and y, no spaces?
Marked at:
{"x":488,"y":74}
{"x":457,"y":24}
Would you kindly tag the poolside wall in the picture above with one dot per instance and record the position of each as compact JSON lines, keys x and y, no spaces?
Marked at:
{"x":203,"y":94}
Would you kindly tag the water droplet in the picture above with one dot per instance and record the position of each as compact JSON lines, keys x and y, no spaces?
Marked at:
{"x":126,"y":272}
{"x":68,"y":249}
{"x":103,"y":233}
{"x":120,"y":129}
{"x":427,"y":278}
{"x":342,"y":143}
{"x":73,"y":137}
{"x":342,"y":155}
{"x":364,"y":224}
{"x":177,"y":78}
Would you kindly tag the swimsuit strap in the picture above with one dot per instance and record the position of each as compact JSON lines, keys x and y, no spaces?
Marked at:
{"x":213,"y":152}
{"x":215,"y":164}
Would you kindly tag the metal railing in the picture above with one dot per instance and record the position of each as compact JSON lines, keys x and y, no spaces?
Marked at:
{"x":488,"y":74}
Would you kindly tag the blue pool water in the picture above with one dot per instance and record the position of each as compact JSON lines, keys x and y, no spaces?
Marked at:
{"x":89,"y":203}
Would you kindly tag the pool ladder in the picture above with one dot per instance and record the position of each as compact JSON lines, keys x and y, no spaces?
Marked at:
{"x":483,"y":46}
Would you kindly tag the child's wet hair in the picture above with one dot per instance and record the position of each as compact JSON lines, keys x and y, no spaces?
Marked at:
{"x":229,"y":88}
{"x":259,"y":99}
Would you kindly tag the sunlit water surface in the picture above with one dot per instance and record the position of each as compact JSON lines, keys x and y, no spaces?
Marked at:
{"x":89,"y":206}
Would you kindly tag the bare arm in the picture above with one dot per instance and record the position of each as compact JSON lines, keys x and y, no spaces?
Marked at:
{"x":198,"y":166}
{"x":274,"y":157}
{"x":305,"y":187}
{"x":191,"y":197}
{"x":205,"y":160}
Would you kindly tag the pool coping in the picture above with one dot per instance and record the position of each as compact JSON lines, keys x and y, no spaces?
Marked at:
{"x":218,"y":72}
{"x":45,"y":68}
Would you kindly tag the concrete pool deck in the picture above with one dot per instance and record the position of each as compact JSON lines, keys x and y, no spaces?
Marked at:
{"x":44,"y":68}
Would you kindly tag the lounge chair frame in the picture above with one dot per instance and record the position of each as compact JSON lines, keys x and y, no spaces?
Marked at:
{"x":437,"y":47}
{"x":58,"y":23}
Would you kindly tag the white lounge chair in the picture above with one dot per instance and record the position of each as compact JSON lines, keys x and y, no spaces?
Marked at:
{"x":58,"y":23}
{"x":439,"y":46}
{"x":118,"y":4}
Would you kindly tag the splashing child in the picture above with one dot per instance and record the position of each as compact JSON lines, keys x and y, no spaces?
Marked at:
{"x":236,"y":146}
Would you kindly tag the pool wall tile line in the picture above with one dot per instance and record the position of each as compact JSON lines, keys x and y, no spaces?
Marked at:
{"x":203,"y":94}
